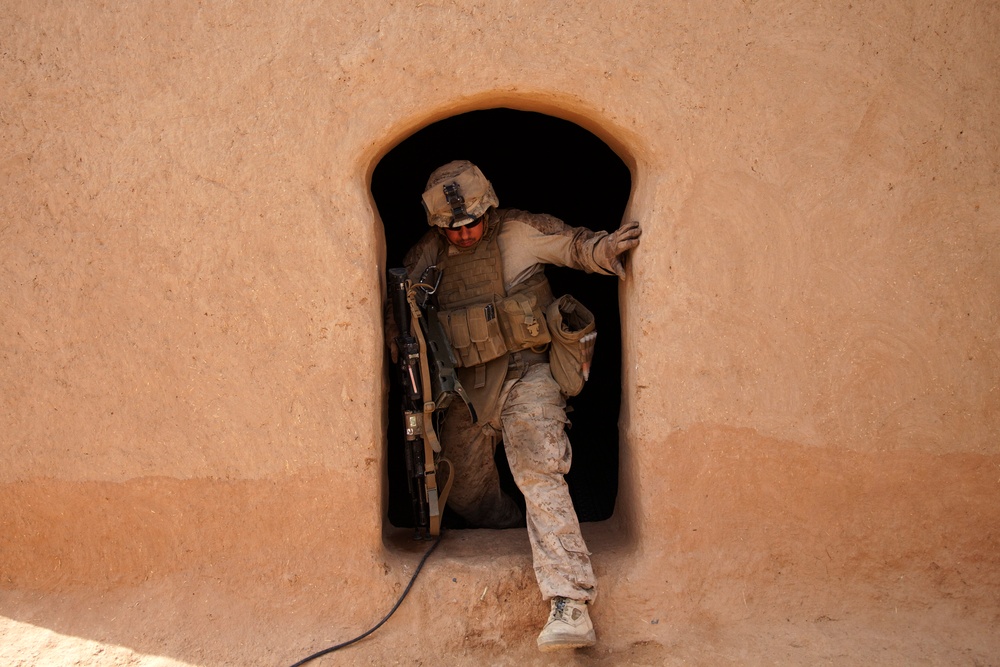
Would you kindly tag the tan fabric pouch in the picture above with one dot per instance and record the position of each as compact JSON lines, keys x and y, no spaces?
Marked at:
{"x":523,"y":322}
{"x":573,"y":333}
{"x":474,"y":333}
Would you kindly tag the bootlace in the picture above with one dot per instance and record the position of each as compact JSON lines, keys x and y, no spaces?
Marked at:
{"x":559,"y":612}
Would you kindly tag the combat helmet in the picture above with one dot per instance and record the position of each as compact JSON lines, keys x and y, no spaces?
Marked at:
{"x":457,"y":194}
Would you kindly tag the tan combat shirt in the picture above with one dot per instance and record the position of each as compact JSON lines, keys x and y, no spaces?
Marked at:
{"x":527,"y":242}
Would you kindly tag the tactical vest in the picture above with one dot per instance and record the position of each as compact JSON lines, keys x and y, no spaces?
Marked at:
{"x":484,"y":324}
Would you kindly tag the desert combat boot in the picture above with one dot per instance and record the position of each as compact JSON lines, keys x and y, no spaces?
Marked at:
{"x":569,"y":626}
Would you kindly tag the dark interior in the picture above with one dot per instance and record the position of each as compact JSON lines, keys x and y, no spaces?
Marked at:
{"x":541,"y":164}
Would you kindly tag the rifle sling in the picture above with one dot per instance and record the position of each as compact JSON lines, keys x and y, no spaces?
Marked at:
{"x":432,"y":446}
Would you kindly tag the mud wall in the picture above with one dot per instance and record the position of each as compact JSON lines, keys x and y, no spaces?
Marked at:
{"x":192,"y":376}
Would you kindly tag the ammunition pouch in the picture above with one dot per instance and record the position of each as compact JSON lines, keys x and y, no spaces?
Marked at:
{"x":483,"y":332}
{"x":474,"y":333}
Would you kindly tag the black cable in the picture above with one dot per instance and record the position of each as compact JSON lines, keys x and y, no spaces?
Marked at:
{"x":380,"y":623}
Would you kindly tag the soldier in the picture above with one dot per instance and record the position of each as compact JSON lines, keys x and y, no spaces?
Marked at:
{"x":493,"y":297}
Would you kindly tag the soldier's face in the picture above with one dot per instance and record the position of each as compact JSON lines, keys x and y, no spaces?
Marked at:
{"x":467,"y":236}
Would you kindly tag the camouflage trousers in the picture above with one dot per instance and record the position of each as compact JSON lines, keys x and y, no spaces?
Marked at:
{"x":530,"y":418}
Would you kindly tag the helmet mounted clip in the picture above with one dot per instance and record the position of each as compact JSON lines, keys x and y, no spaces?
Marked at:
{"x":453,"y":193}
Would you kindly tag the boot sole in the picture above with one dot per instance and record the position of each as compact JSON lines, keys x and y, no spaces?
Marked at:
{"x":558,"y":643}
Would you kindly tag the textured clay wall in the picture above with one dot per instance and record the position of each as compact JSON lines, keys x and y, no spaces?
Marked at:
{"x":191,"y":366}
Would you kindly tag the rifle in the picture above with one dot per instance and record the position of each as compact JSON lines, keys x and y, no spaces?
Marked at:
{"x":428,"y":380}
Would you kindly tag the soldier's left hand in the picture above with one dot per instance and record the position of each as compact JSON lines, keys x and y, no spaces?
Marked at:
{"x":614,"y":246}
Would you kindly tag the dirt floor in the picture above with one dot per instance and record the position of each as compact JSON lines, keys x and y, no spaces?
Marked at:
{"x":822,"y":642}
{"x":924,"y":637}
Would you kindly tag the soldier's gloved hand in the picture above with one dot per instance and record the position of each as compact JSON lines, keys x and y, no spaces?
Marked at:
{"x":611,"y":249}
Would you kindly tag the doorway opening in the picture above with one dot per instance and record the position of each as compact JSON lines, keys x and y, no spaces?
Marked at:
{"x":542,"y":164}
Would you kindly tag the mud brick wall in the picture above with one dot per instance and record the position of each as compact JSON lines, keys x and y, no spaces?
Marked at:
{"x":192,"y":376}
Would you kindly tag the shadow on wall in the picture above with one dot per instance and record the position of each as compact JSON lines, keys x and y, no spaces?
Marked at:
{"x":542,"y":164}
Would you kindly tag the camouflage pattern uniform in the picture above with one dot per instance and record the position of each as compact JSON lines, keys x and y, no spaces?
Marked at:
{"x":528,"y":413}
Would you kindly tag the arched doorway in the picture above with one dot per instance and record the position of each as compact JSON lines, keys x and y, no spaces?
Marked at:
{"x":542,"y":164}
